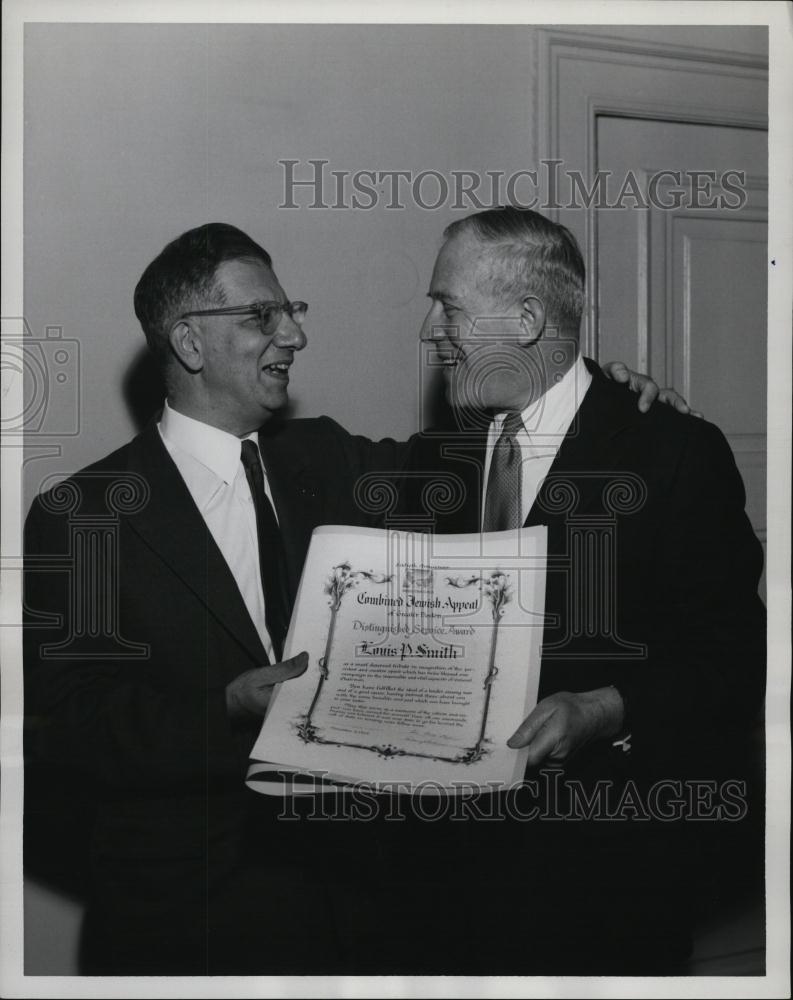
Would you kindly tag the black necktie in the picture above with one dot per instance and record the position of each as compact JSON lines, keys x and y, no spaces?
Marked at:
{"x":502,"y":500}
{"x":271,"y":555}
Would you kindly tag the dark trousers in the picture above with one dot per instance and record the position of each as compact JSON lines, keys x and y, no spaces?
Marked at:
{"x":326,"y":894}
{"x":497,"y":897}
{"x":254,"y":905}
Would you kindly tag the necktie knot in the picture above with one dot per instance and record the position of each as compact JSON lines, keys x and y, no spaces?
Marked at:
{"x":507,"y":445}
{"x":513,"y":425}
{"x":250,"y":456}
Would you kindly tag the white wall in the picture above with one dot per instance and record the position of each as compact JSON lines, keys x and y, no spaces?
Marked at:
{"x":135,"y":133}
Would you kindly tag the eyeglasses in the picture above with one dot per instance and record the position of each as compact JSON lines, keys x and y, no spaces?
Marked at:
{"x":269,"y":313}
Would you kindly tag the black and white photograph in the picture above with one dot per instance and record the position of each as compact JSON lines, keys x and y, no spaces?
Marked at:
{"x":396,"y":444}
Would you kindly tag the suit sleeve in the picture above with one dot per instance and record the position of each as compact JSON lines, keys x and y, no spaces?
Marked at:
{"x":373,"y":472}
{"x":705,"y":674}
{"x":104,"y":718}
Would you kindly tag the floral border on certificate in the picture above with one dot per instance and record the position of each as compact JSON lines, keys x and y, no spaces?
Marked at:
{"x":343,"y":579}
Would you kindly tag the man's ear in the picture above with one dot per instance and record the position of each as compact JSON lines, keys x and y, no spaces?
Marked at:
{"x":187,"y":345}
{"x":532,"y":321}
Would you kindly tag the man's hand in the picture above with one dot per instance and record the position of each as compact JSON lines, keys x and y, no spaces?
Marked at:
{"x":562,"y":723}
{"x":248,"y":695}
{"x":648,"y":389}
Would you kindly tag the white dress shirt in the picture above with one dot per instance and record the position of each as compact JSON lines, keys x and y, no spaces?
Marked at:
{"x":209,"y":462}
{"x":545,"y":423}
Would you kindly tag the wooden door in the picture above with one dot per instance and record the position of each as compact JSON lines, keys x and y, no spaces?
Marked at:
{"x":682,"y":291}
{"x":679,"y":292}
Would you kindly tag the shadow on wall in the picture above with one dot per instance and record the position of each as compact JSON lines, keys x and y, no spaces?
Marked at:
{"x":143,"y":388}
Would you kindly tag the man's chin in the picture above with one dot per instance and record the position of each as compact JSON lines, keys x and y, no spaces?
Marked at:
{"x":452,"y":389}
{"x":478,"y":396}
{"x":275,"y":405}
{"x":459,"y":399}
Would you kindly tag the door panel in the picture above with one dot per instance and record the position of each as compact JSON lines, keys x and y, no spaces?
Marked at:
{"x":682,"y":291}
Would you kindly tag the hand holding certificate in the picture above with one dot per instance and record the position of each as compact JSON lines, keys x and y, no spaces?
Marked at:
{"x":424,"y":656}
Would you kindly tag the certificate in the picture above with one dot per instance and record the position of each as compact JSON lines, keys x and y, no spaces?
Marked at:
{"x":424,"y":657}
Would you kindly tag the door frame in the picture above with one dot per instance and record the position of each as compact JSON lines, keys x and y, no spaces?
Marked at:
{"x":566,"y":124}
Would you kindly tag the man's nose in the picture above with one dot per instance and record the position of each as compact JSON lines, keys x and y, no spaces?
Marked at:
{"x":290,"y":334}
{"x":431,"y":328}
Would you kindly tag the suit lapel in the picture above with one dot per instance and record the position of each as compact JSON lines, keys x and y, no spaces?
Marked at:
{"x":468,"y":458}
{"x":172,"y":526}
{"x":590,"y":448}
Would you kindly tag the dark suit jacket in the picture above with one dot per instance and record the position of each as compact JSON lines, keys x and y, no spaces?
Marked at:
{"x":653,"y":569}
{"x":134,"y":627}
{"x":652,"y":587}
{"x":151,"y":736}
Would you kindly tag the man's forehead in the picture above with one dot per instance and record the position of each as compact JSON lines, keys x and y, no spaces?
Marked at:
{"x":248,"y":280}
{"x":459,"y":261}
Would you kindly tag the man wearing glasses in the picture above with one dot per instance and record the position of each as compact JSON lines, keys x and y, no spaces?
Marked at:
{"x":190,"y":872}
{"x":150,"y":656}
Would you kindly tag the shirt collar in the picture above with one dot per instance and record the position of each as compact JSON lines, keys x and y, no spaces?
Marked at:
{"x":214,"y":448}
